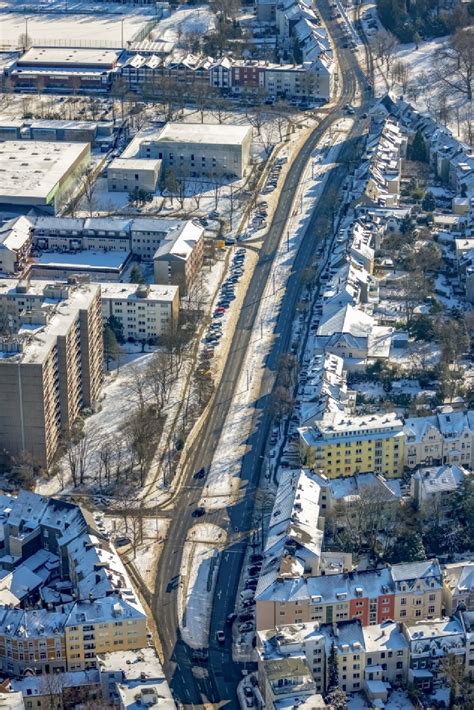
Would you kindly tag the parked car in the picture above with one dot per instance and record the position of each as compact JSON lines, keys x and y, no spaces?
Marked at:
{"x":199,"y":512}
{"x":246,"y":616}
{"x":244,"y":628}
{"x":200,"y":474}
{"x":230,"y":619}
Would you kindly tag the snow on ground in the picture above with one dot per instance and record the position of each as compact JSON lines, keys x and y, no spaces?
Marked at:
{"x":106,"y":30}
{"x":223,"y":479}
{"x":150,"y":534}
{"x":185,"y":21}
{"x":397,"y":701}
{"x":198,"y":576}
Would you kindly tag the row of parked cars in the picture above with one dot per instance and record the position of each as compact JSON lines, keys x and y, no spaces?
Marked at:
{"x":226,"y":296}
{"x":274,"y":174}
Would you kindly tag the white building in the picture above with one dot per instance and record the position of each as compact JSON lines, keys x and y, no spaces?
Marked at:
{"x":15,"y":245}
{"x":144,"y":312}
{"x":38,"y":173}
{"x":199,"y":149}
{"x":129,"y":175}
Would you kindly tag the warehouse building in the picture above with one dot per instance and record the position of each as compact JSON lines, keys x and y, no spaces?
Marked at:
{"x":39,"y":174}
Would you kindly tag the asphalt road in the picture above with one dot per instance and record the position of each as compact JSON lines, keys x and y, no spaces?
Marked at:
{"x":221,"y":675}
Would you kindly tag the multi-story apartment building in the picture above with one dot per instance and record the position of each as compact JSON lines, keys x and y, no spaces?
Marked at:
{"x":458,"y":586}
{"x":443,"y":438}
{"x":403,"y":592}
{"x":433,"y":487}
{"x":178,"y":259}
{"x":364,"y":656}
{"x":418,"y":590}
{"x":52,"y":367}
{"x":430,"y":644}
{"x":15,"y":245}
{"x":65,"y":593}
{"x":467,"y":620}
{"x":342,"y":445}
{"x":144,"y":312}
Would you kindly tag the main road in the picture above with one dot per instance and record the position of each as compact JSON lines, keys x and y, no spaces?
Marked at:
{"x":217,"y":681}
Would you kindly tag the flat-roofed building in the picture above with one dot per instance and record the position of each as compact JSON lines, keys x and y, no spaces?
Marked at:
{"x":145,"y":312}
{"x":129,"y":175}
{"x":97,"y":265}
{"x":51,"y":368}
{"x":65,"y":68}
{"x":39,"y":173}
{"x":200,"y":149}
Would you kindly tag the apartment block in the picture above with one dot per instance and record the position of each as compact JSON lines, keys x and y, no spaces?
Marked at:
{"x":402,"y":592}
{"x":443,"y":438}
{"x":367,"y":658}
{"x":430,"y":644}
{"x":15,"y":246}
{"x":342,"y":445}
{"x":458,"y":586}
{"x":179,"y":257}
{"x":51,"y":364}
{"x":144,"y":312}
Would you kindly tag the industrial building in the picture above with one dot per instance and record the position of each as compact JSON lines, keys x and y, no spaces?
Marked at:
{"x":50,"y":362}
{"x":64,"y":68}
{"x":199,"y":149}
{"x":129,"y":175}
{"x":38,"y":173}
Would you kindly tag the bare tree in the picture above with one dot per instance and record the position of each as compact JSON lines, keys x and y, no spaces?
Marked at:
{"x":24,"y":41}
{"x":87,"y":187}
{"x":454,"y":63}
{"x":79,"y":445}
{"x":140,"y":431}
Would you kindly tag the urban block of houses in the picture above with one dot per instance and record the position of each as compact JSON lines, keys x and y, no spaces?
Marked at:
{"x":458,"y":579}
{"x":442,"y":438}
{"x":295,"y":660}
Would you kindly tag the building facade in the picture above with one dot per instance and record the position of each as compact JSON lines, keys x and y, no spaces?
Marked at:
{"x":144,"y":312}
{"x":51,"y":367}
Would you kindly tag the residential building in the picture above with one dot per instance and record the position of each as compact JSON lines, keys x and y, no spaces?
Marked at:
{"x":324,"y":388}
{"x":432,"y":487}
{"x":467,"y":620}
{"x":351,"y":333}
{"x":458,"y":586}
{"x":127,"y":676}
{"x":367,"y":657}
{"x":51,"y":364}
{"x":140,"y":235}
{"x":418,"y":590}
{"x":15,"y":246}
{"x":401,"y":592}
{"x":342,"y":445}
{"x":348,"y":497}
{"x":145,"y":312}
{"x":266,"y":10}
{"x":430,"y":644}
{"x":58,"y":689}
{"x":69,"y":596}
{"x":39,"y":174}
{"x":92,"y":265}
{"x":443,"y":438}
{"x":179,"y":257}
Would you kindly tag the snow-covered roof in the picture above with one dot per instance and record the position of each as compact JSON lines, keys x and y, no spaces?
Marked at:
{"x":15,"y":233}
{"x":179,"y":245}
{"x":202,"y":133}
{"x":440,"y":479}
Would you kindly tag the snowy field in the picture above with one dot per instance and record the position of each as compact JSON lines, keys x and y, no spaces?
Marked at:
{"x":83,"y":29}
{"x":183,"y":22}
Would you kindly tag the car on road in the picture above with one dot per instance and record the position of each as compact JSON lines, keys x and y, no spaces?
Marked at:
{"x":248,"y":692}
{"x":198,"y":512}
{"x":230,"y":619}
{"x":200,"y":474}
{"x":220,"y":637}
